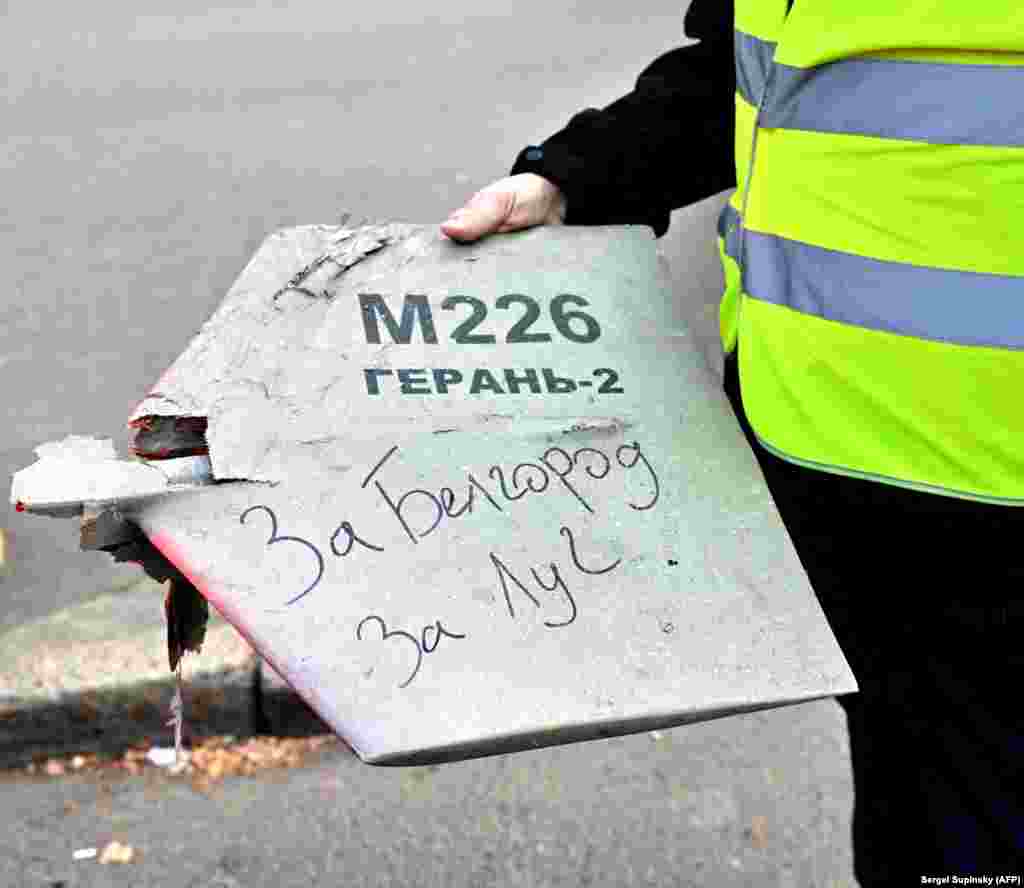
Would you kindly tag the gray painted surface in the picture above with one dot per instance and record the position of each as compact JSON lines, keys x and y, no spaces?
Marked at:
{"x":744,"y":802}
{"x":522,"y":565}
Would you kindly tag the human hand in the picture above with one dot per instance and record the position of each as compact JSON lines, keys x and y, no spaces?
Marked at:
{"x":509,"y":204}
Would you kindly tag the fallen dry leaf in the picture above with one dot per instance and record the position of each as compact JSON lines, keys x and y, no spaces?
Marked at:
{"x":206,"y":762}
{"x":154,"y":695}
{"x":216,"y":759}
{"x":759,"y":831}
{"x":115,"y":852}
{"x":141,"y":711}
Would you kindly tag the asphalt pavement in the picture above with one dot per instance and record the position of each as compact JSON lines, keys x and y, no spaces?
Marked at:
{"x":148,"y":149}
{"x":747,"y":801}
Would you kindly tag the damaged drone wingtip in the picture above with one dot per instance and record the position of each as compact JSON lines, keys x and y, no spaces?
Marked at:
{"x":75,"y":471}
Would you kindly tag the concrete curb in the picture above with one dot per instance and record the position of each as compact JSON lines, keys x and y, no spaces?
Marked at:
{"x":95,"y":678}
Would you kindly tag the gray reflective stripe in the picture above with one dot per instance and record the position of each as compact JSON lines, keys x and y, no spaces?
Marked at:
{"x":949,"y":104}
{"x":753,"y":59}
{"x":729,"y":231}
{"x":962,"y":307}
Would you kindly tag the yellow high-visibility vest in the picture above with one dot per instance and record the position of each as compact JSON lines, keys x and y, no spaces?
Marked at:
{"x":874,"y":248}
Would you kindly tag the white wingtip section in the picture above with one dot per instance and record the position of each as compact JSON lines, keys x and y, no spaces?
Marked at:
{"x":80,"y":469}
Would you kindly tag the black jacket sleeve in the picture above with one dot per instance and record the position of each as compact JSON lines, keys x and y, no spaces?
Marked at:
{"x":666,"y":144}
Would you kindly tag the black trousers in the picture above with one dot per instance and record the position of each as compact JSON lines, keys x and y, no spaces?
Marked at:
{"x":924,"y":594}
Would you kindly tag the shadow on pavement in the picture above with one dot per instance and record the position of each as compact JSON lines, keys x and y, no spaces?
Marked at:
{"x":106,"y":723}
